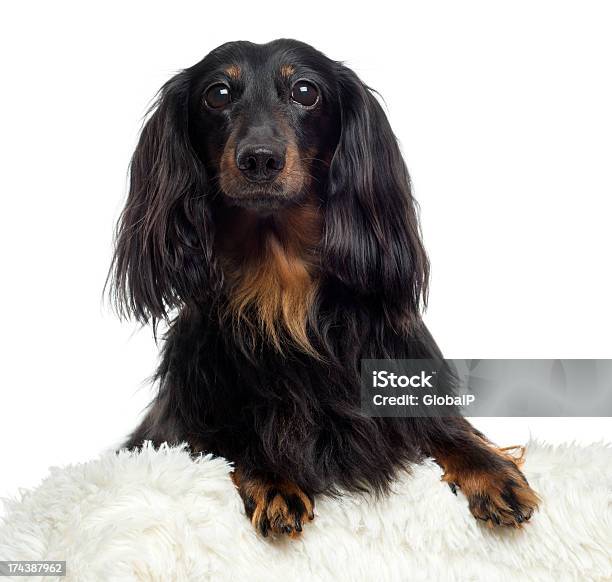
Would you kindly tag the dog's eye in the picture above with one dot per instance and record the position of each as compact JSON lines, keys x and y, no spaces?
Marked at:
{"x":218,"y":96}
{"x":305,"y":93}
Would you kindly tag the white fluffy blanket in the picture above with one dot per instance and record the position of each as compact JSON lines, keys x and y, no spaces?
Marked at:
{"x":159,"y":516}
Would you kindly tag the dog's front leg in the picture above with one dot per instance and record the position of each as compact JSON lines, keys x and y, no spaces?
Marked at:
{"x":497,"y":491}
{"x":273,"y":505}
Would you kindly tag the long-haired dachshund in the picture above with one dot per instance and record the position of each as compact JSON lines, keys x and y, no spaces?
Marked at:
{"x":270,"y":222}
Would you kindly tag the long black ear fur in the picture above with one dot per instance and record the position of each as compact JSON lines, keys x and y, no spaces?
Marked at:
{"x":372,"y":239}
{"x":163,"y":252}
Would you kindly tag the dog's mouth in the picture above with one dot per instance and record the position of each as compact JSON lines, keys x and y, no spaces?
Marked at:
{"x":262,"y":197}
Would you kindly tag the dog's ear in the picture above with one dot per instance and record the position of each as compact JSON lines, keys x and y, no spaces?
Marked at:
{"x":163,"y":250}
{"x":372,"y":240}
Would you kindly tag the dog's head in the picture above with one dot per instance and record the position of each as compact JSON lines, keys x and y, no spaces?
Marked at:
{"x":278,"y":139}
{"x":261,"y":120}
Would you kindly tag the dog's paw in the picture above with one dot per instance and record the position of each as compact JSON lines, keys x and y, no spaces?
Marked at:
{"x":500,"y":497}
{"x":506,"y":500}
{"x":279,"y":507}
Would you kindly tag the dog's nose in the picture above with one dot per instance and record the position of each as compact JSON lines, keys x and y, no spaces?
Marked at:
{"x":260,"y":163}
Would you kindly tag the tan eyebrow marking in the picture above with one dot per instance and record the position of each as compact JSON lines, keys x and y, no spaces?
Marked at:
{"x":287,"y":70}
{"x":233,"y":71}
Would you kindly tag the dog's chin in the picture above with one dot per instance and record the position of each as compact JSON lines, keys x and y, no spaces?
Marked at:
{"x":261,"y":200}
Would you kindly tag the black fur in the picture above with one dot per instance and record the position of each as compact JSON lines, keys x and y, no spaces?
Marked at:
{"x":284,"y":414}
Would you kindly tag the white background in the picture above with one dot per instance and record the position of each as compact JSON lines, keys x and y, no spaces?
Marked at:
{"x":504,"y":111}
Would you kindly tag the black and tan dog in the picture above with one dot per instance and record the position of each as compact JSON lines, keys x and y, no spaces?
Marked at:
{"x":270,"y":220}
